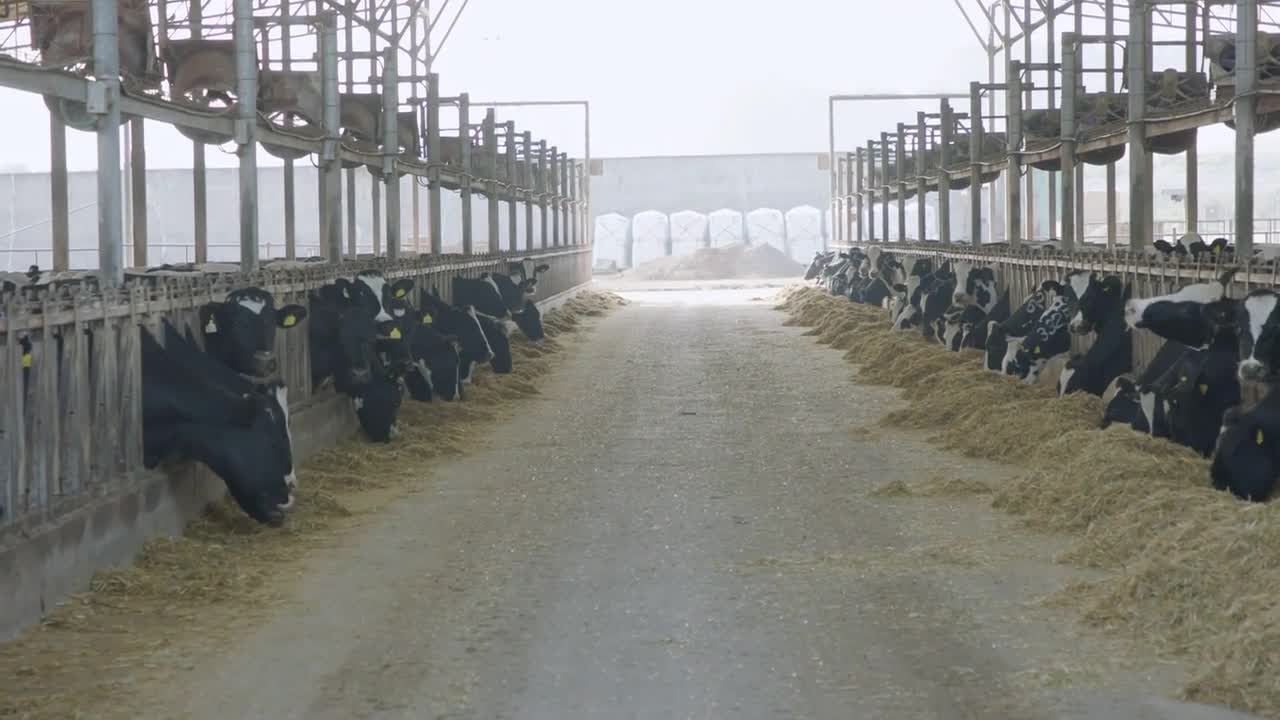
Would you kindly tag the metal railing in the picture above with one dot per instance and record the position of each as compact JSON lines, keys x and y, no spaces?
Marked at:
{"x":71,"y":410}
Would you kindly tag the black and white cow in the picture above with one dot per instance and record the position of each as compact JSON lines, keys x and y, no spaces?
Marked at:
{"x":819,"y":262}
{"x":464,"y":324}
{"x":975,"y":285}
{"x":1202,"y":389}
{"x":1143,"y":403}
{"x":1049,"y":338}
{"x":1258,"y":330}
{"x":193,"y":407}
{"x":1193,"y":316}
{"x":433,"y":358}
{"x":1246,"y":459}
{"x":1101,"y":311}
{"x":1170,"y":250}
{"x":1005,"y":337}
{"x":241,"y":330}
{"x":493,"y":294}
{"x":383,"y":297}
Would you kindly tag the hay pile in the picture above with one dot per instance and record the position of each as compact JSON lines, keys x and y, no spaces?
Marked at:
{"x":89,"y":651}
{"x":1191,"y":572}
{"x":721,"y":263}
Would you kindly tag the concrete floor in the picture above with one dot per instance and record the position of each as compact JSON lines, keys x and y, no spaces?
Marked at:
{"x":681,"y":528}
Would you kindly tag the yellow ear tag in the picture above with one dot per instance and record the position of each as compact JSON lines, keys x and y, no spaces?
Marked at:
{"x":401,"y":292}
{"x":395,"y":333}
{"x":290,"y":320}
{"x":1204,"y":389}
{"x":26,"y":360}
{"x":211,"y":327}
{"x":427,"y":319}
{"x":1258,"y":437}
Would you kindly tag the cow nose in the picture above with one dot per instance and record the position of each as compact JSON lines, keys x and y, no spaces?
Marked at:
{"x":264,"y":363}
{"x":1251,"y":370}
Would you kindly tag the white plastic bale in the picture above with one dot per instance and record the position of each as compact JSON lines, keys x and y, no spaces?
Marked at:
{"x":688,"y":228}
{"x":767,"y":226}
{"x":611,"y":235}
{"x":725,"y":227}
{"x":804,"y":232}
{"x":649,"y":230}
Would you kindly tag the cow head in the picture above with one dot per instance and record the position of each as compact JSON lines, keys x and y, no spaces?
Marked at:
{"x":378,"y":404}
{"x":1099,"y":300}
{"x":497,"y":333}
{"x":1193,"y":316}
{"x":343,"y":335}
{"x":529,"y":320}
{"x":1258,"y":333}
{"x":434,"y":358}
{"x":381,"y":298}
{"x":820,"y":260}
{"x":463,"y":323}
{"x":241,"y":331}
{"x":1245,"y":459}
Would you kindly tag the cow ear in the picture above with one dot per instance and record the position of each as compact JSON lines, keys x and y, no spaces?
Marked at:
{"x":541,"y":268}
{"x":402,"y":288}
{"x":290,"y":315}
{"x":209,"y":318}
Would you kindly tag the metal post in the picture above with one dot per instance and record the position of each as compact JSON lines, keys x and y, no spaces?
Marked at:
{"x":900,"y":175}
{"x":556,"y":239}
{"x":1070,"y":80}
{"x":833,"y":184}
{"x":391,"y":147}
{"x":1079,"y":179}
{"x":857,"y":192}
{"x":1139,"y":155}
{"x":464,"y":138}
{"x":1109,"y":27}
{"x":513,"y":221}
{"x":106,"y":64}
{"x":1013,"y":171}
{"x":571,"y":203}
{"x":375,"y":211}
{"x":489,"y":138}
{"x":433,"y":166}
{"x":975,"y":165}
{"x":527,"y":143}
{"x":992,"y":191}
{"x":1028,"y":102}
{"x":837,"y":202}
{"x":199,"y":177}
{"x":290,"y":205}
{"x":1192,"y":195}
{"x":944,"y":179}
{"x":331,"y":164}
{"x":60,"y":222}
{"x":138,"y":186}
{"x":246,"y":133}
{"x":544,"y":185}
{"x":1052,"y":179}
{"x":871,"y":192}
{"x":1246,"y":108}
{"x":922,"y":225}
{"x":884,"y":183}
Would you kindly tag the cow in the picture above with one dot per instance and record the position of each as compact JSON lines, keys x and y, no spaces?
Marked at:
{"x":975,"y":285}
{"x":816,"y":266}
{"x":343,"y":337}
{"x":493,"y":294}
{"x":1192,"y":316}
{"x":378,"y":403}
{"x":241,"y":330}
{"x":1202,"y":388}
{"x":382,"y":298}
{"x":1171,"y":250}
{"x":433,"y":358}
{"x":1258,"y":331}
{"x":195,"y":408}
{"x":1246,"y":459}
{"x":1100,"y":310}
{"x":1004,"y":337}
{"x":959,"y":324}
{"x":1142,"y":403}
{"x":1047,"y":339}
{"x":464,"y":324}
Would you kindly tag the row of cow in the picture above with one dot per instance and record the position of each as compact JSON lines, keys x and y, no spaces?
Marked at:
{"x":1190,"y":393}
{"x":368,"y":337}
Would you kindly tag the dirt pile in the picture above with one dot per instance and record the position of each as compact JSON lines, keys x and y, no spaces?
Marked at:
{"x":1190,"y":571}
{"x":722,"y":263}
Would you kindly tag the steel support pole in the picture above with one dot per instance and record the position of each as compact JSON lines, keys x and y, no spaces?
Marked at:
{"x":544,"y":186}
{"x":246,"y":133}
{"x":433,"y":168}
{"x":331,"y":164}
{"x":884,"y":184}
{"x":489,"y":138}
{"x":1079,"y":179}
{"x":900,"y":175}
{"x":1246,"y":116}
{"x":106,"y":64}
{"x":565,"y":192}
{"x":1013,"y":171}
{"x":834,"y":180}
{"x":58,"y":203}
{"x":529,"y":182}
{"x":1139,"y":155}
{"x":837,"y":203}
{"x":1052,"y":179}
{"x":138,"y":189}
{"x":858,"y":180}
{"x":1070,"y":80}
{"x":871,"y":192}
{"x":1028,"y":102}
{"x":850,"y":167}
{"x":975,"y":165}
{"x":290,"y":187}
{"x":571,"y":206}
{"x":391,"y":147}
{"x":556,"y":239}
{"x":464,"y":139}
{"x":513,"y":218}
{"x":199,"y":175}
{"x":944,"y":178}
{"x":1192,"y":194}
{"x":375,"y":212}
{"x":1109,"y":28}
{"x":922,"y":221}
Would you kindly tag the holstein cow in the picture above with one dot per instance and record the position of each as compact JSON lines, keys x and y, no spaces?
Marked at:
{"x":819,"y":262}
{"x":1143,"y":403}
{"x":1048,"y":339}
{"x":382,"y":297}
{"x":1004,"y":338}
{"x":433,"y":357}
{"x":1258,"y":330}
{"x":241,"y":331}
{"x":1101,"y":311}
{"x":493,"y":295}
{"x":195,"y":408}
{"x":1246,"y":461}
{"x":1193,"y":316}
{"x":464,"y":324}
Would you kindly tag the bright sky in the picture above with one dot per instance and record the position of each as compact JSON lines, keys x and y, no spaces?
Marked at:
{"x":663,"y":76}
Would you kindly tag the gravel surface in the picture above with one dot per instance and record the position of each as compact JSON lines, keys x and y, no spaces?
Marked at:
{"x":684,"y":525}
